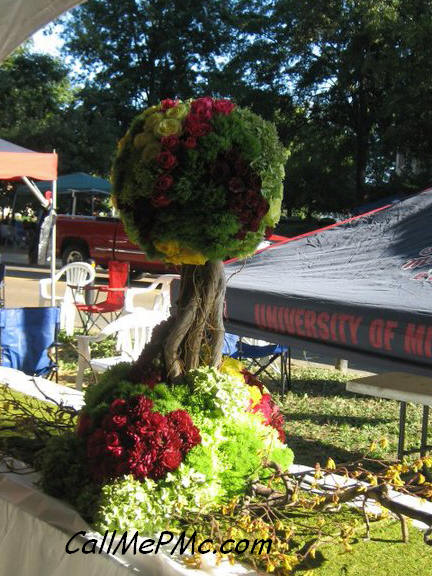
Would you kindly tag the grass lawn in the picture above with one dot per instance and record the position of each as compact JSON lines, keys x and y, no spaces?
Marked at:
{"x":324,"y":420}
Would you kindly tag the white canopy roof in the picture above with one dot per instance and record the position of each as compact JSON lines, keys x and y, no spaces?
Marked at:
{"x":19,"y":19}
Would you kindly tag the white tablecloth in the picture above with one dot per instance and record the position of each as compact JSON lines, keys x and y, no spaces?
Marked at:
{"x":34,"y":530}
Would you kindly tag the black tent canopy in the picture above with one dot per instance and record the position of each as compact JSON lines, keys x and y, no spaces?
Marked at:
{"x":361,"y":289}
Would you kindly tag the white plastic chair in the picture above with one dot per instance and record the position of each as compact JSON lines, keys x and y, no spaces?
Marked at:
{"x":159,"y":289}
{"x":78,"y":275}
{"x":133,"y":333}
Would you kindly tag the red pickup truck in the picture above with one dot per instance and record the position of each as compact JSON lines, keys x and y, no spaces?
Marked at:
{"x":103,"y":239}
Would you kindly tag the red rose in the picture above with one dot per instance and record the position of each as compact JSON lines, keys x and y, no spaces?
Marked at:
{"x":236,"y":185}
{"x":164,"y":182}
{"x":160,"y":200}
{"x":203,"y":108}
{"x":118,"y":406}
{"x":119,"y":421}
{"x":170,"y":142}
{"x":190,"y":142}
{"x":195,"y":127}
{"x":168,"y":103}
{"x":223,"y":106}
{"x":167,"y":160}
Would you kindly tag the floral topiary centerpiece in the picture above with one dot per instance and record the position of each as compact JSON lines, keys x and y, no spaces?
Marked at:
{"x":198,"y":182}
{"x":195,"y":182}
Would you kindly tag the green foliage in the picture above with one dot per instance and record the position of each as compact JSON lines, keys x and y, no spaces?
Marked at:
{"x":113,"y":384}
{"x":191,"y":212}
{"x":61,"y":453}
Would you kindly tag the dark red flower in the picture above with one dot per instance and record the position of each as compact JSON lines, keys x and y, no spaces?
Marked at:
{"x":84,"y":424}
{"x":163,"y":183}
{"x":203,"y":108}
{"x":236,"y":185}
{"x":196,"y":127}
{"x":268,"y":232}
{"x":167,"y":160}
{"x":160,"y":200}
{"x":146,"y":445}
{"x":171,"y":459}
{"x":190,"y":142}
{"x":223,"y":106}
{"x":170,"y":142}
{"x":118,"y":406}
{"x":168,"y":103}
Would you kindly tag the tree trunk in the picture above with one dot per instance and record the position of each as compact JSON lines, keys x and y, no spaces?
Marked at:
{"x":194,"y":336}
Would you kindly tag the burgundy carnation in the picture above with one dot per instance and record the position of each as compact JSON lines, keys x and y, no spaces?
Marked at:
{"x":118,"y":406}
{"x":140,"y":442}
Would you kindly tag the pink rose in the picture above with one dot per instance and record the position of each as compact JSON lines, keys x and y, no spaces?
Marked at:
{"x":223,"y":106}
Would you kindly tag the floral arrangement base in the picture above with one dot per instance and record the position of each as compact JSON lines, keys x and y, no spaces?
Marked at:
{"x":146,"y":454}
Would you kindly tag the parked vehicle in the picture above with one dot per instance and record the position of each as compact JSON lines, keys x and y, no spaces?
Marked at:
{"x":101,"y":239}
{"x":81,"y":238}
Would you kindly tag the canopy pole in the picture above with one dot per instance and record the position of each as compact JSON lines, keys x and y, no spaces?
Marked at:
{"x":53,"y":241}
{"x":35,"y":190}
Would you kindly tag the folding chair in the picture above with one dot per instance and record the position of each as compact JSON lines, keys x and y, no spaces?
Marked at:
{"x":26,"y":337}
{"x":133,"y":333}
{"x":78,"y":275}
{"x":238,"y":347}
{"x":110,"y":308}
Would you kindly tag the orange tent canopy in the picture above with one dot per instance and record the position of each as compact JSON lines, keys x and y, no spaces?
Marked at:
{"x":17,"y":162}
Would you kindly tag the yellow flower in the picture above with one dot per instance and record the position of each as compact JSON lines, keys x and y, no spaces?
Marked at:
{"x":177,"y":254}
{"x":153,"y":121}
{"x":255,"y":395}
{"x":150,"y":152}
{"x":142,"y":139}
{"x":177,"y":112}
{"x":149,"y":111}
{"x":167,"y":127}
{"x":232,"y":367}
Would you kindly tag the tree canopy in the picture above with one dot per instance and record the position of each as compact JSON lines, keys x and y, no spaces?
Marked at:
{"x":348,"y":84}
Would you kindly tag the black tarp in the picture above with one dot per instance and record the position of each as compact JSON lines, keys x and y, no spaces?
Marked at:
{"x":360,"y":289}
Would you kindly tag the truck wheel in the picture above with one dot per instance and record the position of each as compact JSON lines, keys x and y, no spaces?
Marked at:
{"x":74,"y":253}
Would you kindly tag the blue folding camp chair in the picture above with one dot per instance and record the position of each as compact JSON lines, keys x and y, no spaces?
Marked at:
{"x":26,"y":337}
{"x":236,"y":347}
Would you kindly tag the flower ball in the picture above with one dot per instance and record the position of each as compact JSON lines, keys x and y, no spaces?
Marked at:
{"x":198,"y":180}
